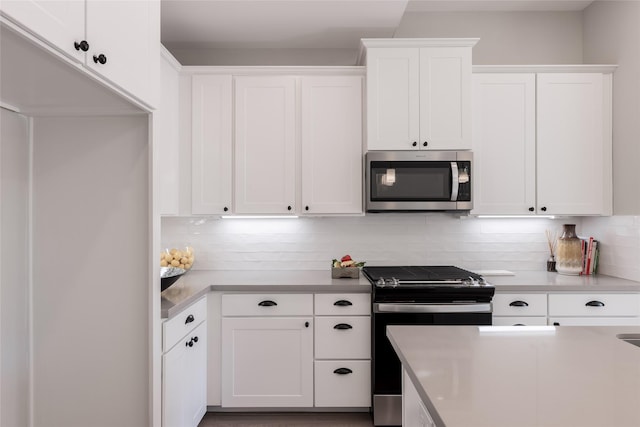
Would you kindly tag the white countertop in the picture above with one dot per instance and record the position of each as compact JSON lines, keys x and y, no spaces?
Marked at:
{"x":572,"y":376}
{"x":543,"y":281}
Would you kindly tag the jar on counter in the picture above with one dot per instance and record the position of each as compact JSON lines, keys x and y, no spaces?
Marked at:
{"x":569,"y":252}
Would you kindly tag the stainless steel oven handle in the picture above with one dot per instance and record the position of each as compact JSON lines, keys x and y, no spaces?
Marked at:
{"x":455,"y":184}
{"x":433,"y":308}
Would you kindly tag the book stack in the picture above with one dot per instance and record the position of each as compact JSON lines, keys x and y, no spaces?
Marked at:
{"x":590,"y":255}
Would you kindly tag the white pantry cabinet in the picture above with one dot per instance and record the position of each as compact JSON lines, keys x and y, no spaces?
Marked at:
{"x":119,"y":40}
{"x":331,"y":144}
{"x":542,"y":141}
{"x":418,"y":94}
{"x":211,"y":144}
{"x":267,"y":350}
{"x":184,"y":367}
{"x":265,"y":144}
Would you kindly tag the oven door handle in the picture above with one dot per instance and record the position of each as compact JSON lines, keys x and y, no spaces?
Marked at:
{"x":433,"y":308}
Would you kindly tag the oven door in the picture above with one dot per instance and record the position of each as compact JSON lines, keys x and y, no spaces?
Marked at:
{"x":386,"y":367}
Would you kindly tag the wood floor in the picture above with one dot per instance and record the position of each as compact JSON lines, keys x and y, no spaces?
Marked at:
{"x":322,"y":419}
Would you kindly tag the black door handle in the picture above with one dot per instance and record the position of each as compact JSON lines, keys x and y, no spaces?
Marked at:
{"x":225,"y":209}
{"x":342,"y":303}
{"x":83,"y":45}
{"x":289,"y":208}
{"x":595,"y":304}
{"x":306,"y":324}
{"x":267,"y":303}
{"x":424,"y":144}
{"x":100,"y":58}
{"x":343,"y":371}
{"x":518,"y":304}
{"x":543,"y":209}
{"x":343,"y":326}
{"x":415,"y":144}
{"x":189,"y":344}
{"x":195,"y":339}
{"x":189,"y":319}
{"x":531,"y":209}
{"x":556,"y":323}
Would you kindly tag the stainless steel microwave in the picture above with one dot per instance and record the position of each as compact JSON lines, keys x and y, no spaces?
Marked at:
{"x":406,"y":181}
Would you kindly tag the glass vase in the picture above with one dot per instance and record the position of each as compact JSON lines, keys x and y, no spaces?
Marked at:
{"x":569,"y":252}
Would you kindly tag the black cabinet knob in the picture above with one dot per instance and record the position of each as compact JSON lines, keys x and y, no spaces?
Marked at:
{"x":83,"y":46}
{"x":267,"y":303}
{"x":190,"y":343}
{"x":189,"y":319}
{"x":100,"y":59}
{"x":518,"y":304}
{"x":195,"y":339}
{"x":225,"y":209}
{"x":531,"y":209}
{"x":424,"y":144}
{"x":543,"y":209}
{"x":342,"y":303}
{"x":415,"y":144}
{"x":306,"y":208}
{"x":556,"y":323}
{"x":289,"y":208}
{"x":306,"y":324}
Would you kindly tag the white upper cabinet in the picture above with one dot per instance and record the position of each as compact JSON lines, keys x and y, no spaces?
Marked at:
{"x":418,"y":94}
{"x":119,"y":40}
{"x":574,"y":153}
{"x":331,"y":125}
{"x":212,"y":144}
{"x":542,"y":142}
{"x":265,"y":144}
{"x":504,"y":143}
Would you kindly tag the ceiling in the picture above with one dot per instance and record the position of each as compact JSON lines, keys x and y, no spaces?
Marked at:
{"x":280,"y":24}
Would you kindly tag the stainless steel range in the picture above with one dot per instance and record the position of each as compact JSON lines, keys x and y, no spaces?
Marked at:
{"x":417,"y":295}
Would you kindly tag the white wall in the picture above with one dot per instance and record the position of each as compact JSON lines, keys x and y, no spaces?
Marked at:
{"x":612,"y":35}
{"x":505,"y":37}
{"x":379,"y":239}
{"x":91,"y":234}
{"x":14,"y":269}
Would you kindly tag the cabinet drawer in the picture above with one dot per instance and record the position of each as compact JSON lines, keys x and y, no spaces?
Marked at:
{"x":181,"y":324}
{"x":343,"y":383}
{"x":594,"y":304}
{"x":343,"y":304}
{"x":343,"y":337}
{"x":519,"y":320}
{"x":520,"y":304}
{"x":267,"y":305}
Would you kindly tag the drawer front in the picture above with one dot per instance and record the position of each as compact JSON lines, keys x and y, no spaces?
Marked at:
{"x":343,"y":304}
{"x":520,"y":304}
{"x":346,"y":337}
{"x":267,"y":305}
{"x":343,"y":383}
{"x":522,"y":320}
{"x":594,"y":321}
{"x":594,"y":305}
{"x":183,"y":323}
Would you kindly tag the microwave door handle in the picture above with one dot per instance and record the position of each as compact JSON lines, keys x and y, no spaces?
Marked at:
{"x":454,"y":181}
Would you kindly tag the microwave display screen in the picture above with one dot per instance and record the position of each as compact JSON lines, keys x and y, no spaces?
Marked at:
{"x":410,"y":181}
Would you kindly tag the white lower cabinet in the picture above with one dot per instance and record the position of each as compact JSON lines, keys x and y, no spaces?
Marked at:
{"x":267,"y":361}
{"x":184,"y":370}
{"x":511,"y":309}
{"x":343,"y":383}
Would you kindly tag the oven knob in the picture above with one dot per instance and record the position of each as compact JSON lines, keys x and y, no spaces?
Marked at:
{"x":395,"y":282}
{"x":381,"y":283}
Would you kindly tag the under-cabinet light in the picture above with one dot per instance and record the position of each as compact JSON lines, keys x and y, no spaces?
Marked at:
{"x":517,"y":216}
{"x":259,"y":216}
{"x":516,"y":329}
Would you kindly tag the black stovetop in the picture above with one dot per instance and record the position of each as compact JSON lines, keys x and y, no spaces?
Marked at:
{"x":417,"y":273}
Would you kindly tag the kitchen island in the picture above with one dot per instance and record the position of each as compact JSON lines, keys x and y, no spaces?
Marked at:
{"x":561,"y":376}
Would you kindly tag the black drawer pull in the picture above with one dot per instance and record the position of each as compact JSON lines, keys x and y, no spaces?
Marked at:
{"x":343,"y":371}
{"x":518,"y":304}
{"x":595,"y":304}
{"x":342,"y":303}
{"x":556,"y":323}
{"x":267,"y":303}
{"x":343,"y":326}
{"x":189,"y":319}
{"x":518,"y":324}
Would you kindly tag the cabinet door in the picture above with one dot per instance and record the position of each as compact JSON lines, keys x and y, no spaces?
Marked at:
{"x":174,"y":398}
{"x":267,"y":362}
{"x":265,"y":148}
{"x":211,"y":144}
{"x":127,"y":33}
{"x":393,"y":100}
{"x":571,"y":144}
{"x":445,"y":98}
{"x":196,"y":376}
{"x":504,"y":143}
{"x":331,"y":122}
{"x":60,"y":23}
